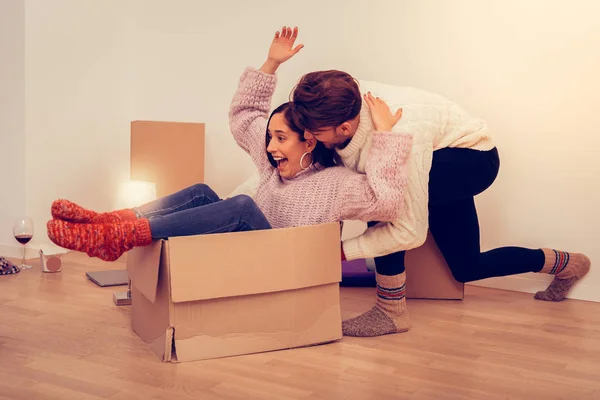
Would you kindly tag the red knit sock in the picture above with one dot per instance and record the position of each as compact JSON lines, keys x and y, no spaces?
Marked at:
{"x":69,"y":211}
{"x":106,"y":241}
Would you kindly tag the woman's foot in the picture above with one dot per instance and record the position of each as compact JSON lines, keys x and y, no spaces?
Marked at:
{"x":106,"y":241}
{"x":389,"y":315}
{"x":68,"y":211}
{"x":568,"y":268}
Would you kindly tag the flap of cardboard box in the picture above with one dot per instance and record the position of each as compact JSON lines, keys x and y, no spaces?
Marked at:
{"x":244,"y":263}
{"x":142,"y":267}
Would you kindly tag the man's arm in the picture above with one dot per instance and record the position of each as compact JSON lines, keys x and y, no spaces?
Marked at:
{"x":410,"y":231}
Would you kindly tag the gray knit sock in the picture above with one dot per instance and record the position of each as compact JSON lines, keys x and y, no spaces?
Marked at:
{"x":389,"y":315}
{"x":568,"y":268}
{"x":557,"y":291}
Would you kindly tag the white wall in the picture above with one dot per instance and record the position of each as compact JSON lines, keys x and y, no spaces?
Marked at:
{"x":79,"y":102}
{"x":12,"y":121}
{"x":522,"y":66}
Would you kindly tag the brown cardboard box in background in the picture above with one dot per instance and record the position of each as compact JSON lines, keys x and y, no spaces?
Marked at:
{"x":209,"y":296}
{"x":170,"y":154}
{"x":428,"y":275}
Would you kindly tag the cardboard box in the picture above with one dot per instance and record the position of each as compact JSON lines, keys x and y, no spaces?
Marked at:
{"x":170,"y":154}
{"x":427,"y":274}
{"x":211,"y":296}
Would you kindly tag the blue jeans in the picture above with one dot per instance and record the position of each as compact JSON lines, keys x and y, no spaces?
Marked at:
{"x":197,"y":210}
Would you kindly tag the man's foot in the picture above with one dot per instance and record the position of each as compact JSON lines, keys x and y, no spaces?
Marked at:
{"x":68,"y":211}
{"x":389,"y":315}
{"x":376,"y":322}
{"x":568,"y":268}
{"x":557,"y":291}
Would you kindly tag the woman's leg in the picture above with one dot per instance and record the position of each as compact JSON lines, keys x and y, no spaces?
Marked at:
{"x":192,"y":196}
{"x":239,"y":213}
{"x":109,"y":241}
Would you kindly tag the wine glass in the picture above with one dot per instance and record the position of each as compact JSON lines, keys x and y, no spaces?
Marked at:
{"x":23,"y":232}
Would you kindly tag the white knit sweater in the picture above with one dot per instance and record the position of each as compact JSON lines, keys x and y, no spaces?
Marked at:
{"x":435,"y":123}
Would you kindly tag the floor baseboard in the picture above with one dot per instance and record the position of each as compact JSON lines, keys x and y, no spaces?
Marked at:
{"x":16,"y":251}
{"x":532,"y":283}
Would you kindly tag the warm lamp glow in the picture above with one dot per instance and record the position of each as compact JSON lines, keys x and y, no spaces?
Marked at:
{"x":135,"y":193}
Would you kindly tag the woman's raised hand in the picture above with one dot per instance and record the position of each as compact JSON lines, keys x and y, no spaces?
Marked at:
{"x":282,"y":49}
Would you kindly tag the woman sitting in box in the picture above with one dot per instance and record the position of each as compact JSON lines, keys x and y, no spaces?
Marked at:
{"x":300,"y":181}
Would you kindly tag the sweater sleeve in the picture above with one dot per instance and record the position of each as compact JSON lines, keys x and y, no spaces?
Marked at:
{"x":409,"y":230}
{"x":378,"y":194}
{"x":249,"y":113}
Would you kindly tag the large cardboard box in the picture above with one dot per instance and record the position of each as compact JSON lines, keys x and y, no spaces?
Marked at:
{"x":210,"y":296}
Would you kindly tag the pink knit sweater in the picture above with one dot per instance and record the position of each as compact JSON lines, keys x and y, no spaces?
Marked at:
{"x":317,"y":195}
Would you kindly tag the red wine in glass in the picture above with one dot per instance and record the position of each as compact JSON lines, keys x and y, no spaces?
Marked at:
{"x":23,"y":239}
{"x":23,"y":232}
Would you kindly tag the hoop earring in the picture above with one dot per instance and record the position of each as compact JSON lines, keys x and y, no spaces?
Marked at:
{"x":302,"y":159}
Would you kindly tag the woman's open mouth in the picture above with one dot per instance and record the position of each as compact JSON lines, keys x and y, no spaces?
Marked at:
{"x":281,"y":162}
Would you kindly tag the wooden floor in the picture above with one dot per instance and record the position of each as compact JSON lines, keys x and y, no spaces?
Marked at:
{"x":61,"y":337}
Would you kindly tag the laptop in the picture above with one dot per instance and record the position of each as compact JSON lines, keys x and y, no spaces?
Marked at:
{"x":114,"y":277}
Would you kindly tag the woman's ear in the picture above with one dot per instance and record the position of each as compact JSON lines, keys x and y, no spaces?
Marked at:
{"x":310,"y":143}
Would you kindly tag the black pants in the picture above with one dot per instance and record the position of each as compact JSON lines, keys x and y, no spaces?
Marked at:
{"x":456,"y":176}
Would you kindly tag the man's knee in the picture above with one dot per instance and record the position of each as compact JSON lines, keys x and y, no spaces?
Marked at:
{"x":463,"y":271}
{"x":460,"y":276}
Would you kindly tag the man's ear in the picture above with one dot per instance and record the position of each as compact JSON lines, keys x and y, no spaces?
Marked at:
{"x":345,"y":129}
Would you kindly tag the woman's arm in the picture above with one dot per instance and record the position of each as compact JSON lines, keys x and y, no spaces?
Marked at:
{"x":249,"y":113}
{"x":378,"y":194}
{"x":249,"y":110}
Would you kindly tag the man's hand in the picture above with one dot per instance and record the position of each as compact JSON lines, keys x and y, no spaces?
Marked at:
{"x":383,"y":119}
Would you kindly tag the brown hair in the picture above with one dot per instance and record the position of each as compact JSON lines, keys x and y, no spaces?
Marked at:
{"x":321,"y":155}
{"x":324,"y":99}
